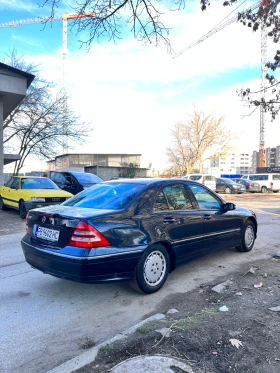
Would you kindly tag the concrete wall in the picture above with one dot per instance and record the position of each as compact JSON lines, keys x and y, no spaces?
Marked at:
{"x":107,"y":173}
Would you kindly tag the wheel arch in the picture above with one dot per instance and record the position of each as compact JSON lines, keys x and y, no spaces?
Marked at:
{"x":167,"y":245}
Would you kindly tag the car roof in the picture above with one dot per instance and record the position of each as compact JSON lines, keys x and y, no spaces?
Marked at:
{"x":33,"y":177}
{"x":148,"y":181}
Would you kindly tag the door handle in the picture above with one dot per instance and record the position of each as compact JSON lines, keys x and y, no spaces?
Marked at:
{"x":206,"y":217}
{"x":168,"y":220}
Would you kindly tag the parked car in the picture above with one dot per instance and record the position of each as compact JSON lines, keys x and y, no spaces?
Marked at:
{"x":28,"y":192}
{"x":205,"y":179}
{"x":224,"y":185}
{"x":137,"y":230}
{"x":268,"y":182}
{"x":250,"y":186}
{"x":74,"y":182}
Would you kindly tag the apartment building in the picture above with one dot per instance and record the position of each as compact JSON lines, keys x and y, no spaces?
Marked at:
{"x":235,"y":163}
{"x":272,"y":158}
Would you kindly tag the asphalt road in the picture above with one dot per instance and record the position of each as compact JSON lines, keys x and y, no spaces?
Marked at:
{"x":45,"y":321}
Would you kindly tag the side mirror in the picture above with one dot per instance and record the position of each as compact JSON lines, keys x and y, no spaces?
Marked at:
{"x":229,"y":206}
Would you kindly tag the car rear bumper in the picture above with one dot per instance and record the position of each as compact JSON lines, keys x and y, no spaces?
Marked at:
{"x":94,"y":269}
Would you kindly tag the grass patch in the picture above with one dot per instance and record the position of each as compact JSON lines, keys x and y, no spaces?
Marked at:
{"x":143,"y":329}
{"x":186,"y":323}
{"x":106,"y":348}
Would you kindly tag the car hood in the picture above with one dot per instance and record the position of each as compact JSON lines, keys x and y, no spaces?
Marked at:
{"x":47,"y":193}
{"x":72,"y":212}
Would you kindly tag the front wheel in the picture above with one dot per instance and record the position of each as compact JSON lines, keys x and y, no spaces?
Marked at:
{"x":22,"y":210}
{"x":152,"y":270}
{"x":2,"y":206}
{"x":264,"y":190}
{"x":248,"y":238}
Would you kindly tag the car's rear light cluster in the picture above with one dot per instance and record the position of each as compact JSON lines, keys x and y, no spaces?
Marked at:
{"x":27,"y":227}
{"x":271,"y":184}
{"x":250,"y":184}
{"x":84,"y":235}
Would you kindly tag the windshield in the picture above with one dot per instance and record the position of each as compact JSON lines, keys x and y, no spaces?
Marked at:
{"x":228,"y":181}
{"x":195,"y":177}
{"x":85,"y":178}
{"x":37,"y":183}
{"x":105,"y":196}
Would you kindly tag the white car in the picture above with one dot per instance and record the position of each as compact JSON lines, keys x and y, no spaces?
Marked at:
{"x":205,"y":179}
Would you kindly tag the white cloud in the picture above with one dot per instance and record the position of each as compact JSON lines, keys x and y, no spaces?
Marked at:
{"x":126,"y":89}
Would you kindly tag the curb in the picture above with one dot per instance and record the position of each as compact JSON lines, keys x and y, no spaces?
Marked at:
{"x":90,"y":355}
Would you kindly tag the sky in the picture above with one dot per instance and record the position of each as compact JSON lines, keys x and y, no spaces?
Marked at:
{"x":133,"y":94}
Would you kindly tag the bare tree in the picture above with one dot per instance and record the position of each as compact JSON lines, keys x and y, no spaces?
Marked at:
{"x":37,"y":125}
{"x":196,"y":140}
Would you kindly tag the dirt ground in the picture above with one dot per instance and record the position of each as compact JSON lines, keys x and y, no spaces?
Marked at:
{"x":245,"y":338}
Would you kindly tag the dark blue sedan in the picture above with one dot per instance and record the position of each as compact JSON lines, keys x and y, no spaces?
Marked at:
{"x":135,"y":230}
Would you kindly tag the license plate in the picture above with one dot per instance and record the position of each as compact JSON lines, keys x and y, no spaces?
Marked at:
{"x":46,"y":233}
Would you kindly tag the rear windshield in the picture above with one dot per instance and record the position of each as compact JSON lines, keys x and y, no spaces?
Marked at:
{"x":276,"y":177}
{"x":86,"y":178}
{"x":106,"y":196}
{"x":37,"y":183}
{"x":195,"y":177}
{"x":228,"y":181}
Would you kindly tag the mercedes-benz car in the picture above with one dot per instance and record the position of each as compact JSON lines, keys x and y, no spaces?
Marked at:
{"x":135,"y":230}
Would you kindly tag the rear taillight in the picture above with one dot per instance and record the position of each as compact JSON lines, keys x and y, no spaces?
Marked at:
{"x":271,"y":184}
{"x":27,"y":227}
{"x":203,"y":182}
{"x":250,"y":184}
{"x":84,"y":235}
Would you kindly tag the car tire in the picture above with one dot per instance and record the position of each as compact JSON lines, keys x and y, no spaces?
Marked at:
{"x":227,"y":190}
{"x":264,"y":190}
{"x":2,"y":205}
{"x":248,"y":238}
{"x":152,"y":270}
{"x":22,"y":210}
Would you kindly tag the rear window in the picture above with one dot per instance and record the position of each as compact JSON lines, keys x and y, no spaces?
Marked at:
{"x":106,"y":196}
{"x":210,"y":178}
{"x":276,"y":177}
{"x":195,"y":177}
{"x":86,"y":178}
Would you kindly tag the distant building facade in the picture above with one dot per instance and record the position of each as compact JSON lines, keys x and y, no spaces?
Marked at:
{"x":272,"y":159}
{"x":77,"y":162}
{"x":106,"y":166}
{"x":235,"y":163}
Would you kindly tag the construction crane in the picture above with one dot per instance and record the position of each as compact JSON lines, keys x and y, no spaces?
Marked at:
{"x":65,"y":18}
{"x":263,"y":3}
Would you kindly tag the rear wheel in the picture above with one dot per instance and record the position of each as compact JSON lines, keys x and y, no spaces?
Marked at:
{"x":22,"y":210}
{"x":248,"y":238}
{"x":227,"y":190}
{"x":2,"y":206}
{"x":264,"y":190}
{"x":152,"y":270}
